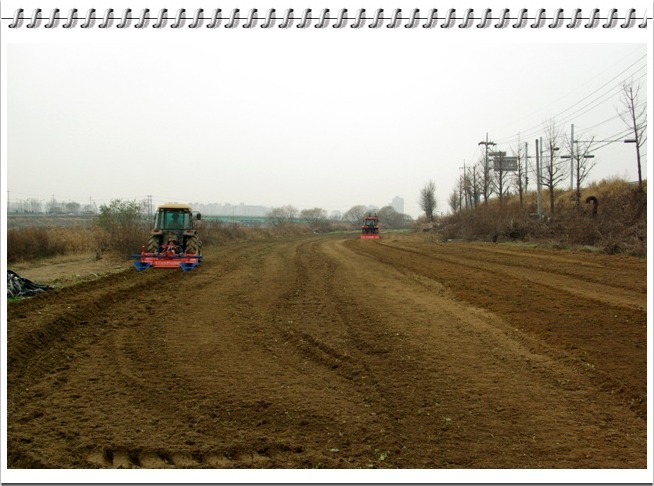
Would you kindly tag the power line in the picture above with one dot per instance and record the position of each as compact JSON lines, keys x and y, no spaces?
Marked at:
{"x":595,"y":103}
{"x":610,"y":119}
{"x":616,"y":138}
{"x":593,"y":79}
{"x":609,"y":81}
{"x":609,"y":94}
{"x":537,"y":128}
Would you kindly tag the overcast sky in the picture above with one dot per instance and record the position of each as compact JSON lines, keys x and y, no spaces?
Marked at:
{"x":311,"y":123}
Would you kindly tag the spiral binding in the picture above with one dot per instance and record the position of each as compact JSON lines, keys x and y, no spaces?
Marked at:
{"x":325,"y":19}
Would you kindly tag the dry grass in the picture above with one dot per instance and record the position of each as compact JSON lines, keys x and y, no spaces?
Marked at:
{"x":36,"y":242}
{"x":217,"y":233}
{"x":40,"y":242}
{"x":619,"y":224}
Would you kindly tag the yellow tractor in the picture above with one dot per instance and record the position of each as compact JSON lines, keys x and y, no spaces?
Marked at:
{"x":173,"y":241}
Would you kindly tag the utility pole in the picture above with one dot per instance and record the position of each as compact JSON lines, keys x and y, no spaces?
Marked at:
{"x":475,"y":196}
{"x":572,"y":144}
{"x":460,"y":185}
{"x":526,"y":166}
{"x":539,"y":200}
{"x":464,"y":191}
{"x":575,"y":161}
{"x":486,"y":177}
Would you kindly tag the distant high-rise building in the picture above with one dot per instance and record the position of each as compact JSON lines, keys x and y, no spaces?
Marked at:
{"x":398,"y":204}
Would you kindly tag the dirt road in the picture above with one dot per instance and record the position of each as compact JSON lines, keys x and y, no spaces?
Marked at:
{"x":333,"y":352}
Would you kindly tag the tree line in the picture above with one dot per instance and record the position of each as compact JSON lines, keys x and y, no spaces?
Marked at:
{"x":318,"y":219}
{"x":554,"y":159}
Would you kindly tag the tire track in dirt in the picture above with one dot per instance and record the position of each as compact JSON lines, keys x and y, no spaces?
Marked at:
{"x":607,"y":341}
{"x":327,"y":396}
{"x":38,"y":324}
{"x":471,"y":353}
{"x":559,"y":277}
{"x":191,"y":399}
{"x":237,"y":394}
{"x":368,"y":362}
{"x":303,"y":353}
{"x":103,"y":339}
{"x":595,"y":267}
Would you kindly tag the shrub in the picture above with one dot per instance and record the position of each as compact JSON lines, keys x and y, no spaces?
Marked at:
{"x":614,"y":219}
{"x":218,"y":233}
{"x":39,"y":242}
{"x":121,"y":226}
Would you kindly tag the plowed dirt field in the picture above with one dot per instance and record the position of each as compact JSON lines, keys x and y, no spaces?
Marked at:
{"x":328,"y":351}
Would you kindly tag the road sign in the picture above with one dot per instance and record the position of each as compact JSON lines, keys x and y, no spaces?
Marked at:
{"x":505,"y":164}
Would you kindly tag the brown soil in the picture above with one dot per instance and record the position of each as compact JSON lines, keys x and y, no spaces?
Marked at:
{"x":66,"y":270}
{"x":328,"y":351}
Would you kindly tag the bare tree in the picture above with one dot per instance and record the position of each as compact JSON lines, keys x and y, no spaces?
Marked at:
{"x":316,"y":218}
{"x":282,"y":216}
{"x":582,"y":163}
{"x":53,"y":206}
{"x":500,"y":176}
{"x":519,"y":174}
{"x":72,"y":207}
{"x":456,"y":197}
{"x":552,"y":172}
{"x":459,"y":197}
{"x":390,"y":218}
{"x":472,"y":187}
{"x":355,"y":214}
{"x":485,"y":179}
{"x":634,"y":115}
{"x":34,"y":205}
{"x":465,"y":190}
{"x":335,"y":215}
{"x":427,"y":200}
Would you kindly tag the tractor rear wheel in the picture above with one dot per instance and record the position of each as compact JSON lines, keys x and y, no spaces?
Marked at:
{"x":153,"y":244}
{"x":193,"y":246}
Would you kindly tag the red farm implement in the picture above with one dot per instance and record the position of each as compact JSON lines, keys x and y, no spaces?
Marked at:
{"x":166,"y":259}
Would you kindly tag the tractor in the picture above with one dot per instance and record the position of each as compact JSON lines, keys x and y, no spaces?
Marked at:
{"x":370,"y":228}
{"x":173,"y":242}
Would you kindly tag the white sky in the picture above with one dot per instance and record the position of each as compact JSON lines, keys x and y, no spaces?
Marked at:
{"x":315,"y":123}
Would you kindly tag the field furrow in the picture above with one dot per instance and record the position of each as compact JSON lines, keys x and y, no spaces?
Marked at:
{"x":328,"y":351}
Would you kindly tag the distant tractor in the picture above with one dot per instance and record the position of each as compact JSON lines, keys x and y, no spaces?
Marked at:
{"x":370,"y":228}
{"x":173,"y":241}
